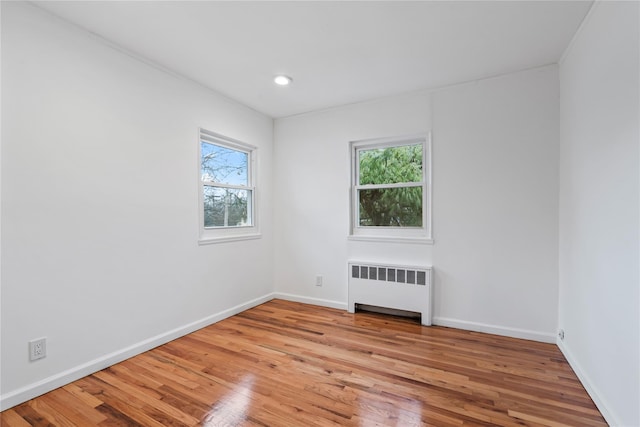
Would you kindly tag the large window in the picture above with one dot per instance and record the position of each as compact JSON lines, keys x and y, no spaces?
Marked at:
{"x":227,"y":188}
{"x":391,"y":189}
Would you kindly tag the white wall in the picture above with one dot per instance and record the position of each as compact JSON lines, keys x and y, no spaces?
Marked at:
{"x":495,"y":201}
{"x":100,"y":204}
{"x":599,"y":212}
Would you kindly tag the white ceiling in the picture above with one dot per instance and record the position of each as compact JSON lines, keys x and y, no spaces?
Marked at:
{"x":337,"y":52}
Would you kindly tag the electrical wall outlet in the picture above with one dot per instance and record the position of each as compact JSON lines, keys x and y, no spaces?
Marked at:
{"x":37,"y":349}
{"x":318,"y":280}
{"x":561,"y":334}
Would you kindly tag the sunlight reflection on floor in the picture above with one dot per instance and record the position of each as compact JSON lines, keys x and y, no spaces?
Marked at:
{"x":372,"y":412}
{"x":232,"y":408}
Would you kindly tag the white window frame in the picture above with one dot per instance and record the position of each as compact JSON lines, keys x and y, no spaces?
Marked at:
{"x":422,"y":234}
{"x":210,"y":235}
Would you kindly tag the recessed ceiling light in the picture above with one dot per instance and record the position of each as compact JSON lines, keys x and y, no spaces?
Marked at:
{"x":283,"y":80}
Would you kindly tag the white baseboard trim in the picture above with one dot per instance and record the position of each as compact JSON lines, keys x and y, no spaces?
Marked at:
{"x":309,"y":300}
{"x":15,"y":397}
{"x":494,"y":329}
{"x":592,"y":390}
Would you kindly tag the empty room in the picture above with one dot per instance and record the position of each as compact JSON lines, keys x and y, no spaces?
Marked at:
{"x":320,"y":213}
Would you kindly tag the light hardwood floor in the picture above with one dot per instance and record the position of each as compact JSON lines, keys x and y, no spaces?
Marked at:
{"x":290,"y":364}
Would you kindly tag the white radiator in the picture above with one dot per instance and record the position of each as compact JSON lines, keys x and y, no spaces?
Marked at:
{"x":397,"y":287}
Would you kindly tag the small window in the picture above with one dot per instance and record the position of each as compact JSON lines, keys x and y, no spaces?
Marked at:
{"x":391,"y":193}
{"x":228,"y":192}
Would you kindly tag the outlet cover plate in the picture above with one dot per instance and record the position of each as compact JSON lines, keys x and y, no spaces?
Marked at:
{"x":37,"y":349}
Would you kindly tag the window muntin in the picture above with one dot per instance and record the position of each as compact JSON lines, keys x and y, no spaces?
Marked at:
{"x":228,"y":193}
{"x":391,"y":189}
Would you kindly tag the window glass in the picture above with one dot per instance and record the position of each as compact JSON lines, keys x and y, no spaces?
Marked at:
{"x":226,"y":207}
{"x":390,"y":165}
{"x":223,"y":165}
{"x":391,"y":207}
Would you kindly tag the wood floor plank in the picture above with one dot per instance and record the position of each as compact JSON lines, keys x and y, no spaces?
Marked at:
{"x":32,"y":416}
{"x":74,"y":409}
{"x":290,"y":364}
{"x":88,"y":399}
{"x":120,"y":407}
{"x":11,"y":418}
{"x":50,"y":414}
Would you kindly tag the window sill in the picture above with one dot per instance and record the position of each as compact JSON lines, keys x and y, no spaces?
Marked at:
{"x":214,"y":240}
{"x":392,"y":239}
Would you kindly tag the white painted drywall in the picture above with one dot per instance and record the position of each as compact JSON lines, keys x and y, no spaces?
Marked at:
{"x":599,"y":213}
{"x":496,"y":203}
{"x":495,"y":198}
{"x":100,"y":201}
{"x":312,"y":177}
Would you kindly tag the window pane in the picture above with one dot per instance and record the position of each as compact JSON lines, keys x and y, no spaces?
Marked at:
{"x":391,"y":165}
{"x":391,"y":207}
{"x":223,"y":165}
{"x":226,"y":207}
